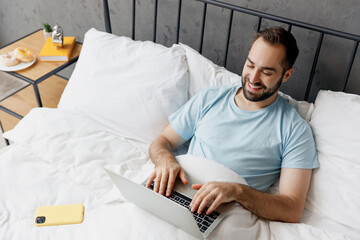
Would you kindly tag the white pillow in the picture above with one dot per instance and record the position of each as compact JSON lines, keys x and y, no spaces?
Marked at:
{"x":304,"y":108}
{"x":204,"y":73}
{"x":206,"y":170}
{"x":128,"y":86}
{"x":335,"y":188}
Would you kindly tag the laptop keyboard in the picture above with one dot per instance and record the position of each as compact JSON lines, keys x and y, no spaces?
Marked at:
{"x":203,"y":221}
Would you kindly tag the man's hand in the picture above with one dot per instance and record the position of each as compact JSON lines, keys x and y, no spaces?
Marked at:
{"x":166,"y":168}
{"x":214,"y":193}
{"x":165,"y":173}
{"x":286,"y":206}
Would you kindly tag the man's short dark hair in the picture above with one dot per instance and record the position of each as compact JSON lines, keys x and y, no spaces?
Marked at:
{"x":277,"y":35}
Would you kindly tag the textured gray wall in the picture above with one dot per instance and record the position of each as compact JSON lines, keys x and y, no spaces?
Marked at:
{"x":19,"y":17}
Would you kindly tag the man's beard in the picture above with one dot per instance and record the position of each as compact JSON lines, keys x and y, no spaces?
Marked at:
{"x":267,"y":92}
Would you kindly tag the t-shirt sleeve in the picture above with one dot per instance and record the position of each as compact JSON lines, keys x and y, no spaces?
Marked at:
{"x":185,"y":119}
{"x":300,"y":150}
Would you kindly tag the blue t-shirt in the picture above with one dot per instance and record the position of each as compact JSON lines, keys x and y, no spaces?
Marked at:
{"x":254,"y":144}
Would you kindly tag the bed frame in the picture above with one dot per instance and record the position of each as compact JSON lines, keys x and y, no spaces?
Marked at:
{"x":261,"y":16}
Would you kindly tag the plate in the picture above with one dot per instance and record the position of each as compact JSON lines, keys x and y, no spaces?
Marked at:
{"x":20,"y":66}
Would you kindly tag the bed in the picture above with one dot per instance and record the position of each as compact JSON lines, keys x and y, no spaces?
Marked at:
{"x":117,"y":101}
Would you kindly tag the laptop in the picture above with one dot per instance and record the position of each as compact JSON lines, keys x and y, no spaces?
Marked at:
{"x":173,"y":209}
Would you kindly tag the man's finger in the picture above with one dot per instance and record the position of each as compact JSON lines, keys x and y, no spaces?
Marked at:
{"x":199,"y":196}
{"x":196,"y":186}
{"x":157,"y":182}
{"x":213,"y":206}
{"x":163,"y":182}
{"x":151,"y":178}
{"x":204,"y":202}
{"x":170,"y":184}
{"x":182,"y":176}
{"x":199,"y":188}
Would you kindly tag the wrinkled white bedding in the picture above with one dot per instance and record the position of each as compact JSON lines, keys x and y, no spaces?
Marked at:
{"x":58,"y":158}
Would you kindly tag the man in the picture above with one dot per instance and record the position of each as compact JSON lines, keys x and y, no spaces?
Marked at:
{"x":249,"y":129}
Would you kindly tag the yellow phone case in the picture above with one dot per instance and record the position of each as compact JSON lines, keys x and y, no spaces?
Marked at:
{"x":59,"y":215}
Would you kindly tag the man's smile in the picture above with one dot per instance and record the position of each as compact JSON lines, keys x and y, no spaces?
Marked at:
{"x":253,"y":87}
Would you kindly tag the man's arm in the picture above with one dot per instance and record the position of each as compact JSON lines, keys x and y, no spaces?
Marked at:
{"x":166,"y":168}
{"x":287,"y":206}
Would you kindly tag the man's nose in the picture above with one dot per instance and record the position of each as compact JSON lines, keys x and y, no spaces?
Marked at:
{"x":255,"y":76}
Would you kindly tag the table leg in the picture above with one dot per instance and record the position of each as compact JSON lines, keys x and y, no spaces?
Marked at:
{"x":37,"y":95}
{"x":11,"y":112}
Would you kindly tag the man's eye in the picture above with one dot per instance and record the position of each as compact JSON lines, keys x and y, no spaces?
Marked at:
{"x":267,"y":74}
{"x":250,"y":66}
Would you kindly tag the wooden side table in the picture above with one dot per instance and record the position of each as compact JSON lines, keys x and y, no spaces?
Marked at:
{"x":39,"y":71}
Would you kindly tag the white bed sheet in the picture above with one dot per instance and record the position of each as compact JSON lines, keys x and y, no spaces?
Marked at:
{"x":58,"y":158}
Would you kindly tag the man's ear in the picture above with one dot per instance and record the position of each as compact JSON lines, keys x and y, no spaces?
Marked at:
{"x":287,"y":74}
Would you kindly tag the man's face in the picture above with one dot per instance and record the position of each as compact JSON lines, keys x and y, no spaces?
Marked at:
{"x":262,"y":73}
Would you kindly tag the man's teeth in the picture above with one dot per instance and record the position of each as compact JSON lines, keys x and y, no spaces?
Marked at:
{"x":254,"y":86}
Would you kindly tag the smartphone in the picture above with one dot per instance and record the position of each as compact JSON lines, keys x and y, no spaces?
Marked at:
{"x":59,"y":215}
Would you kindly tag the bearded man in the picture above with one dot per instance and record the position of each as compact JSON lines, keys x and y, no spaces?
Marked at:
{"x":251,"y":130}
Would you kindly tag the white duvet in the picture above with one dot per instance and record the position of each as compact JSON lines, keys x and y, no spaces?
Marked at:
{"x":58,"y":158}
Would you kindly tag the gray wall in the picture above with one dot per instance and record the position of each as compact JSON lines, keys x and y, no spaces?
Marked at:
{"x":19,"y":17}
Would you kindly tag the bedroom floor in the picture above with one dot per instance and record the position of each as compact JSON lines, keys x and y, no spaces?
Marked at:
{"x":23,"y":101}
